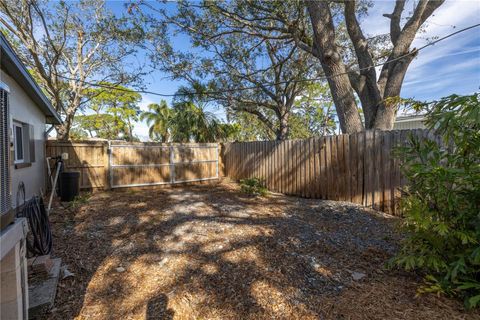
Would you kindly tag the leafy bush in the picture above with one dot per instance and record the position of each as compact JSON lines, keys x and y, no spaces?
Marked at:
{"x":442,"y":203}
{"x":253,"y":186}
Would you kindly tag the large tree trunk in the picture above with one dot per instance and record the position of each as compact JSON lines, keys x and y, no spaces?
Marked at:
{"x":283,"y":129}
{"x":379,"y":110}
{"x":330,"y":58}
{"x":63,"y":130}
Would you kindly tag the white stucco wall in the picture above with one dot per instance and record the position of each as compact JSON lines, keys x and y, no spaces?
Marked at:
{"x":24,"y":110}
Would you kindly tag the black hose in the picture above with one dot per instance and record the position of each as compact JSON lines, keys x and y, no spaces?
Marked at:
{"x":39,"y":239}
{"x":20,"y":196}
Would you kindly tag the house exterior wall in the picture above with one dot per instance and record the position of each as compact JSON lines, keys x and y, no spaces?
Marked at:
{"x":24,"y":110}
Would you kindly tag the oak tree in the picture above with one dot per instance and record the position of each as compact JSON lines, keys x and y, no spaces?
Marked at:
{"x":331,"y":32}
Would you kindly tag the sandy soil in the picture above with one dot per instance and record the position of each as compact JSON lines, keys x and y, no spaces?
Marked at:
{"x":211,"y":252}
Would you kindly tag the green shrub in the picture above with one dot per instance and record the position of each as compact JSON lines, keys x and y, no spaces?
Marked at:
{"x":253,"y":186}
{"x":442,"y":202}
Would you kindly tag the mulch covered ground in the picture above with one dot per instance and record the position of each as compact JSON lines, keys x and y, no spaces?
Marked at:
{"x":211,"y":252}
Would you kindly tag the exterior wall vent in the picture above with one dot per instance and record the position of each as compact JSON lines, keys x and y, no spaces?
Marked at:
{"x":5,"y":192}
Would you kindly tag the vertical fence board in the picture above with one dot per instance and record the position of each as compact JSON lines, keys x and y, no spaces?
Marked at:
{"x":378,"y":170}
{"x":328,"y":169}
{"x":360,"y":167}
{"x":316,"y":151}
{"x":341,"y":168}
{"x":352,"y":166}
{"x":311,"y":169}
{"x":303,"y":165}
{"x":369,"y":168}
{"x":334,"y":181}
{"x":387,"y":163}
{"x":323,"y":180}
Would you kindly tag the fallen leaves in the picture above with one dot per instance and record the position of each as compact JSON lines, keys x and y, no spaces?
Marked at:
{"x":209,"y":252}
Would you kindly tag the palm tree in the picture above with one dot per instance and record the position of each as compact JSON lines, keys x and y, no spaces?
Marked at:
{"x":192,"y":123}
{"x":158,"y":117}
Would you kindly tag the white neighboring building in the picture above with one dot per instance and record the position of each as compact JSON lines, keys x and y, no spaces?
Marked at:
{"x":409,"y":122}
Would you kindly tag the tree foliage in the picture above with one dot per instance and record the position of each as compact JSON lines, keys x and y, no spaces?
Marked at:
{"x":102,"y":126}
{"x":185,"y":122}
{"x":114,"y":114}
{"x":158,"y":118}
{"x":69,"y":44}
{"x":235,"y":69}
{"x":312,"y":115}
{"x":329,"y":32}
{"x":442,"y":205}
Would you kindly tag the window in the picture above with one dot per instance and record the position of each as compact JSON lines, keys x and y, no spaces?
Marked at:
{"x":18,"y":138}
{"x":23,"y":144}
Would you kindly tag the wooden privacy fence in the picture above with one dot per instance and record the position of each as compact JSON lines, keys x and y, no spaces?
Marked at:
{"x":358,"y":168}
{"x":90,"y":158}
{"x":104,"y":164}
{"x":145,"y":164}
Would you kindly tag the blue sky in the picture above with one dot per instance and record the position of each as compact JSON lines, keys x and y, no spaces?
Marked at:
{"x":451,"y":66}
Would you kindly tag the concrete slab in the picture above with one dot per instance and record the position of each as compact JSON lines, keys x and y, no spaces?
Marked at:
{"x":42,"y":292}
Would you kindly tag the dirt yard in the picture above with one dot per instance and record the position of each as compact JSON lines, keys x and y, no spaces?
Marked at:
{"x":211,"y":252}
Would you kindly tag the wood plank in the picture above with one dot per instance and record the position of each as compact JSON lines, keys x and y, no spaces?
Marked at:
{"x":273,"y":165}
{"x":300,"y":168}
{"x":378,"y":170}
{"x":322,"y":181}
{"x":279,"y":166}
{"x":369,"y":168}
{"x":395,"y":171}
{"x":348,"y":175}
{"x":360,"y":167}
{"x":302,"y":164}
{"x":352,"y":166}
{"x":341,"y":168}
{"x":283,"y":159}
{"x":289,"y":175}
{"x":334,"y":164}
{"x":292,"y":167}
{"x":264,"y":145}
{"x":387,"y":162}
{"x":311,"y":169}
{"x":254,"y":154}
{"x":317,"y":170}
{"x":243,"y":160}
{"x":263,"y":158}
{"x":329,"y":191}
{"x":236,"y":160}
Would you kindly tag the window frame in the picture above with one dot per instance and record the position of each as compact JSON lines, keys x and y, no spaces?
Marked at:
{"x":16,"y":125}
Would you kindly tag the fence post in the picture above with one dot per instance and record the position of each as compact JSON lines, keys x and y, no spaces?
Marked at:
{"x":218,"y":159}
{"x":172,"y":164}
{"x":109,"y":165}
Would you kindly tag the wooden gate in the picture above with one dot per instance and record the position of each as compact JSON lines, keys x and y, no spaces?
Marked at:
{"x":148,"y":164}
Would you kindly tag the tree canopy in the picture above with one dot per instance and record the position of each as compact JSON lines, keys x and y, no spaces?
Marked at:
{"x":68,"y":45}
{"x":234,"y":69}
{"x":329,"y":32}
{"x":114,"y":114}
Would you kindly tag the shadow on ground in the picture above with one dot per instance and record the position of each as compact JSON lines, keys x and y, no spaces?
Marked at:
{"x":211,"y":252}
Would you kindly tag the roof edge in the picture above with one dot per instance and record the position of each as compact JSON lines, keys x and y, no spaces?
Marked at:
{"x":35,"y":92}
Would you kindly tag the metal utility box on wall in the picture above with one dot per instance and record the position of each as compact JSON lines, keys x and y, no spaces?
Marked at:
{"x":6,"y":212}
